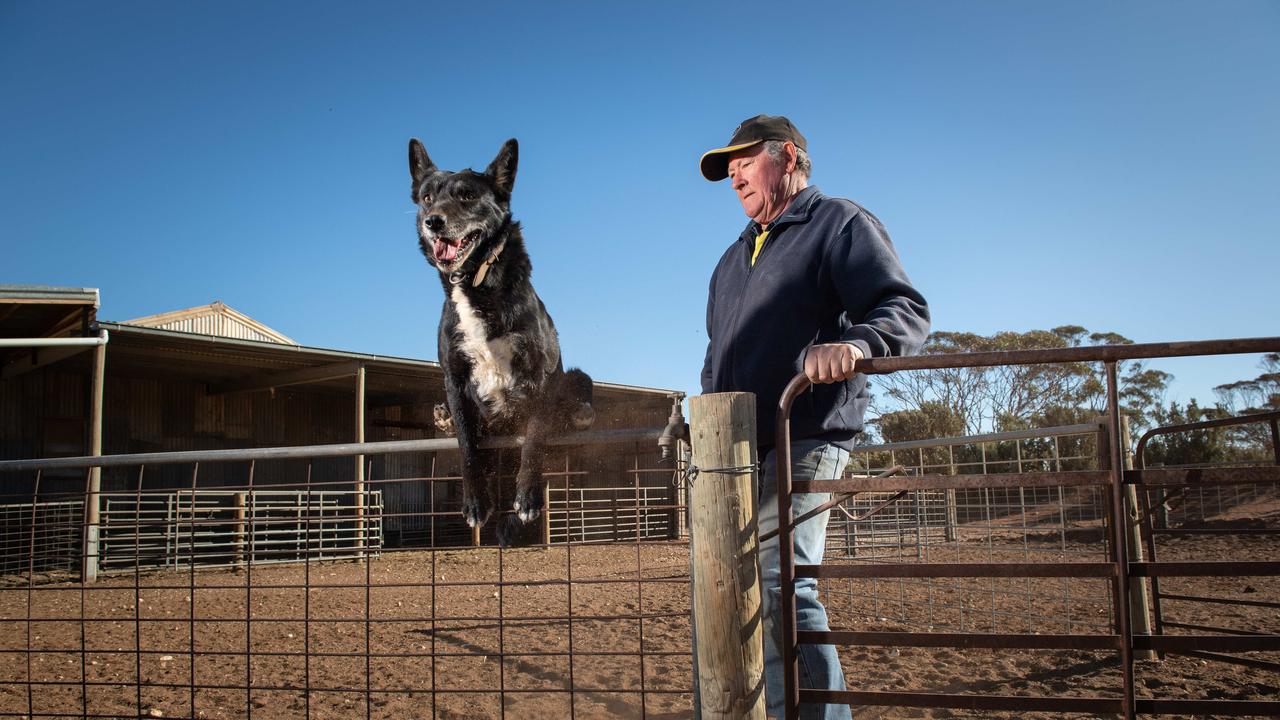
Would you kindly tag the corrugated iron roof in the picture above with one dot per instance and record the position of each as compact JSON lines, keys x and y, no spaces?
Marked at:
{"x":48,"y":294}
{"x":216,"y":318}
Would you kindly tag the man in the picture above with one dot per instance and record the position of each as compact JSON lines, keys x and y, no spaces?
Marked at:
{"x":812,"y":284}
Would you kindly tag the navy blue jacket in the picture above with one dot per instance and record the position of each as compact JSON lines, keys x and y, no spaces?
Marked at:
{"x":827,"y":273}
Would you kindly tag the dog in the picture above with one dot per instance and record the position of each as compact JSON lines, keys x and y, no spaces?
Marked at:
{"x":497,"y":345}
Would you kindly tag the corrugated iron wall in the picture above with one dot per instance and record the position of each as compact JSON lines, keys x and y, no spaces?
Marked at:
{"x":160,"y":415}
{"x":43,"y":414}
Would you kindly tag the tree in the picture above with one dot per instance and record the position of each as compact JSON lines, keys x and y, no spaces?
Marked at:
{"x":931,"y":420}
{"x":1261,"y":394}
{"x":1246,"y":397}
{"x":1019,"y":396}
{"x":1192,"y":447}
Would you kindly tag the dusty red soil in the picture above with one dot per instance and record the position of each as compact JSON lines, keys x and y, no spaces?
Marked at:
{"x":449,"y":640}
{"x":529,"y":655}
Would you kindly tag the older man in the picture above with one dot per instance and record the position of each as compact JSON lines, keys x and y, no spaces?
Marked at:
{"x":812,"y":284}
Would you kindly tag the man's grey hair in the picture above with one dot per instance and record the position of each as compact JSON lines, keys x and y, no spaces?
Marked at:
{"x":804,"y":165}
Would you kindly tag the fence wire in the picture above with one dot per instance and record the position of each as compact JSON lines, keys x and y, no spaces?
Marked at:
{"x":1031,"y":524}
{"x":293,"y":599}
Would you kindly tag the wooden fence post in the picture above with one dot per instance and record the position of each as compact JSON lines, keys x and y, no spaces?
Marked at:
{"x":1139,"y":590}
{"x":726,"y":572}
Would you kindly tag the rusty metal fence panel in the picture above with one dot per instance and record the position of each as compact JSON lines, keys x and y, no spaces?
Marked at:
{"x":1110,"y":569}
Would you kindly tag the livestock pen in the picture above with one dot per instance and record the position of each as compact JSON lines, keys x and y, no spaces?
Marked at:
{"x":237,"y":598}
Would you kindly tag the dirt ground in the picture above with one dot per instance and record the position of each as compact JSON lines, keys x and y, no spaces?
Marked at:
{"x":624,"y":598}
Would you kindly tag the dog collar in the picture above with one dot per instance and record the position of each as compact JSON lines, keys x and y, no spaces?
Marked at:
{"x":483,"y":270}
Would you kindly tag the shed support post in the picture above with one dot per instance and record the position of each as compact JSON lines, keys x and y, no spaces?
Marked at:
{"x":362,"y":542}
{"x":93,"y":501}
{"x":726,"y":572}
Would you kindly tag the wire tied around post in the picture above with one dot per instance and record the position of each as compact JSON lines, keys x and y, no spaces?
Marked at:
{"x":692,"y":472}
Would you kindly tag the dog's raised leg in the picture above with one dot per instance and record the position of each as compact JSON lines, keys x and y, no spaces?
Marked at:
{"x":478,"y":467}
{"x":529,"y":494}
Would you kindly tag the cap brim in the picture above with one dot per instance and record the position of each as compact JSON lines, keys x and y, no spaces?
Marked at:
{"x":715,"y":163}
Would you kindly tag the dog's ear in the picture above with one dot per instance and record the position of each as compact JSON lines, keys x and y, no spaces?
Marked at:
{"x":503,"y":167}
{"x":420,"y":167}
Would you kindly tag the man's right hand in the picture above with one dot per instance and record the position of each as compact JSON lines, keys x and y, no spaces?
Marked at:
{"x":831,"y":362}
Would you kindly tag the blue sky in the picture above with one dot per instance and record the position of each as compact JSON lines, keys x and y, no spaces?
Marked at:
{"x":1108,"y":164}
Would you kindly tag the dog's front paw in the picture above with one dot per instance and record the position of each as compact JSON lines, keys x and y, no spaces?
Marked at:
{"x":443,"y":419}
{"x":476,"y":511}
{"x":583,"y":416}
{"x":528,"y":504}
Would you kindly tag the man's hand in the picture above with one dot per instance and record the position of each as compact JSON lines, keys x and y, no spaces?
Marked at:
{"x":831,"y":363}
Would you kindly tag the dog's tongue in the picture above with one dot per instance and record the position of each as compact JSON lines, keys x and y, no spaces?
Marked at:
{"x":444,"y":250}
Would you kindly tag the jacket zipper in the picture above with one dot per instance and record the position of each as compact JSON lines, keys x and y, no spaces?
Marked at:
{"x":742,"y":298}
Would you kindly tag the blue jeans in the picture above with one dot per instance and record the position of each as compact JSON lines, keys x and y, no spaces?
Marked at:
{"x":819,"y":665}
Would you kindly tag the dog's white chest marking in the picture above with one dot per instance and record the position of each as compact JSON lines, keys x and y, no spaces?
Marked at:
{"x":490,"y":357}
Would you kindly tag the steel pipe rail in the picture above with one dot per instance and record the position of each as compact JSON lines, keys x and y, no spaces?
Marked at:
{"x":1030,"y":434}
{"x":101,"y":339}
{"x":1051,"y":356}
{"x":593,"y":437}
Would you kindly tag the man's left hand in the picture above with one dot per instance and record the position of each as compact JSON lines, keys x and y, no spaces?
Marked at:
{"x":832,"y":362}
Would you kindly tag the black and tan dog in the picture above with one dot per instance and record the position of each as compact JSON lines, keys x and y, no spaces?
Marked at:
{"x":497,"y":344}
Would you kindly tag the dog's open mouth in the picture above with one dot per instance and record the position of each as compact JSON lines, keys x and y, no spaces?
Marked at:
{"x":448,"y":251}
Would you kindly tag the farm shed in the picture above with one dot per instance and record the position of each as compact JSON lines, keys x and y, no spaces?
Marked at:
{"x":210,"y":377}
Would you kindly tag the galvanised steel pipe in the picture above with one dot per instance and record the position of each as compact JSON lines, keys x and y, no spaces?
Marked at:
{"x":596,"y":437}
{"x":55,"y":342}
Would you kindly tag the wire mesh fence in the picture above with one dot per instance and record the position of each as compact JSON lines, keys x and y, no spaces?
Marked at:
{"x":985,"y":524}
{"x":283,"y":598}
{"x":40,"y":536}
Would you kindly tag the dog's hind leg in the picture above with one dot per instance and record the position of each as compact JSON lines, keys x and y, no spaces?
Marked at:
{"x":511,"y":531}
{"x":573,"y":398}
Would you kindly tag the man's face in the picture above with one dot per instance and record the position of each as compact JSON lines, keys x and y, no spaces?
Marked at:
{"x":760,"y":182}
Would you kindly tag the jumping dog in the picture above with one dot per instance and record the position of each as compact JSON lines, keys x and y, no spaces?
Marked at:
{"x":497,"y":345}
